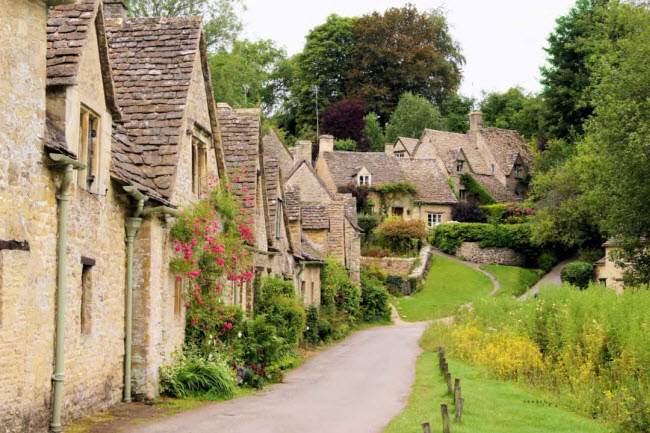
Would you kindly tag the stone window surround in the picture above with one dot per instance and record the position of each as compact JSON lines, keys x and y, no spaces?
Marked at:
{"x":89,"y":142}
{"x":364,"y":179}
{"x":518,"y":170}
{"x":434,"y":219}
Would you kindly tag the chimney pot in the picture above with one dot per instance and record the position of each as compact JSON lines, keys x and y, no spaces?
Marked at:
{"x":303,"y":151}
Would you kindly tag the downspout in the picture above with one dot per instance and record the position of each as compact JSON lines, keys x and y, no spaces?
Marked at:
{"x":299,"y":285}
{"x":62,"y":197}
{"x":132,"y":226}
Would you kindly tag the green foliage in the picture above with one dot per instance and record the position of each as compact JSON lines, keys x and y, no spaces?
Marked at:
{"x":496,"y":212}
{"x":400,"y":235}
{"x":333,"y":277}
{"x":311,"y":335}
{"x":282,"y":309}
{"x":516,"y":110}
{"x":367,"y":222}
{"x":514,"y":281}
{"x":448,"y":237}
{"x":546,"y":261}
{"x":348,"y":145}
{"x":191,"y":376}
{"x":412,"y":116}
{"x":395,"y":284}
{"x":374,"y":300}
{"x":579,"y":274}
{"x":591,"y":255}
{"x":374,"y":133}
{"x":475,"y":190}
{"x":455,"y":112}
{"x":390,"y":191}
{"x":375,"y":273}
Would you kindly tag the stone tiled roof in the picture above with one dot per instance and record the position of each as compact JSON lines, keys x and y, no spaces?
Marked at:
{"x":240,"y":136}
{"x":310,"y":251}
{"x":292,"y":202}
{"x":449,"y":145}
{"x":505,"y":146}
{"x":55,"y":140}
{"x":153,"y":60}
{"x":67,"y":36}
{"x":423,"y":173}
{"x":315,"y":216}
{"x":496,"y":189}
{"x":409,"y":143}
{"x":271,"y":175}
{"x":274,"y":147}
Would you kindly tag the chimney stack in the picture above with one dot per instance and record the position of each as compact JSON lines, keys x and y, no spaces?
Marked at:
{"x":303,"y":151}
{"x":115,"y":9}
{"x":475,"y":120}
{"x":388,"y":148}
{"x":325,"y":144}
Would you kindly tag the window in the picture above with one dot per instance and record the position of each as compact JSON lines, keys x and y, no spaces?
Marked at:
{"x":433,"y":219}
{"x":89,"y":149}
{"x":278,"y":219}
{"x":459,"y":166}
{"x":364,"y":179}
{"x":199,"y":167}
{"x":518,"y":170}
{"x":86,"y":295}
{"x":399,"y":154}
{"x":313,"y":290}
{"x":462,"y":194}
{"x":178,"y":297}
{"x":603,"y":282}
{"x":398,"y":211}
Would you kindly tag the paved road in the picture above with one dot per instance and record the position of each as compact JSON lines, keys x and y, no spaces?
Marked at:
{"x":553,"y":277}
{"x":357,"y":386}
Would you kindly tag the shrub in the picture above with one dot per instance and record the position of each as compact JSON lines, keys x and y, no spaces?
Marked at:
{"x":402,"y":235}
{"x":374,"y":251}
{"x":546,"y":261}
{"x":579,"y":274}
{"x":282,"y":309}
{"x":374,"y":301}
{"x":368,"y":223}
{"x":311,"y":326}
{"x":206,"y":326}
{"x":468,"y":212}
{"x":349,"y":299}
{"x":496,"y":212}
{"x":260,"y":347}
{"x":361,"y":193}
{"x":347,"y":144}
{"x":395,"y":283}
{"x":474,"y":190}
{"x":334,"y":276}
{"x":448,"y":237}
{"x":374,"y":273}
{"x":591,"y":255}
{"x":193,"y":375}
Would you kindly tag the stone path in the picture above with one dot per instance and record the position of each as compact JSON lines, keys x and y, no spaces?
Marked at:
{"x":553,"y":277}
{"x":358,"y":385}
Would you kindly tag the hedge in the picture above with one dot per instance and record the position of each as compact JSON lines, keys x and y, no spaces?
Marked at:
{"x":578,"y":273}
{"x":448,"y":237}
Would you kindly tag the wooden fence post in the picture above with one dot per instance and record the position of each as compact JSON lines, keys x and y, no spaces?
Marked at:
{"x":445,"y":418}
{"x":426,"y":428}
{"x":456,"y":390}
{"x":449,"y":388}
{"x":459,"y":410}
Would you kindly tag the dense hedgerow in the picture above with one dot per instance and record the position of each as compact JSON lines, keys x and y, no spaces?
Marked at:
{"x":580,"y":274}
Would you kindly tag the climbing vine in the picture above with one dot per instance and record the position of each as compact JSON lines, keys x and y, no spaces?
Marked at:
{"x":389,"y":192}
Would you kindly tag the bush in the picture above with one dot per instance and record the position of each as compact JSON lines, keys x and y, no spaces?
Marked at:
{"x":374,"y":273}
{"x":448,"y":237}
{"x":347,"y":144}
{"x":474,"y":190}
{"x":374,"y":251}
{"x":546,"y":261}
{"x":374,"y":301}
{"x":395,"y":283}
{"x":193,"y":375}
{"x":282,"y":309}
{"x":468,"y":212}
{"x":401,"y":235}
{"x":496,"y":212}
{"x":579,"y":274}
{"x":591,"y":255}
{"x":260,"y":348}
{"x":349,"y":299}
{"x":334,"y":276}
{"x":311,"y":329}
{"x":367,"y":222}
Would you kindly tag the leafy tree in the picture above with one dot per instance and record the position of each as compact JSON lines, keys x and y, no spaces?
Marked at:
{"x":347,"y":145}
{"x":322,"y":64}
{"x":401,"y":51}
{"x":242,"y":76}
{"x":374,"y":134}
{"x":455,"y":112}
{"x":346,"y":120}
{"x":516,"y":110}
{"x":222,"y":24}
{"x":412,"y":116}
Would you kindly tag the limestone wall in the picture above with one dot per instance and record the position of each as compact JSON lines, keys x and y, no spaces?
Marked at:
{"x":392,"y":265}
{"x":310,"y":280}
{"x":470,"y":251}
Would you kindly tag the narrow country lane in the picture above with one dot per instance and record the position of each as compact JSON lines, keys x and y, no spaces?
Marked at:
{"x":357,"y":386}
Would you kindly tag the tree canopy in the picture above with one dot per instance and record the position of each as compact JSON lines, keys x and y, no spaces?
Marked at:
{"x":412,"y":116}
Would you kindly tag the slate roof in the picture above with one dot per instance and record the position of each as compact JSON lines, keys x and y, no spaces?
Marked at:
{"x":55,"y":140}
{"x":152,"y":60}
{"x":449,"y":145}
{"x":271,"y":175}
{"x":505,"y":146}
{"x":315,"y":216}
{"x":409,"y":143}
{"x":423,"y":173}
{"x":240,"y":136}
{"x":310,"y":251}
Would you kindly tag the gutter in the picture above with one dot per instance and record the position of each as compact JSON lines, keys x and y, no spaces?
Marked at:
{"x":132,"y":226}
{"x":63,"y":198}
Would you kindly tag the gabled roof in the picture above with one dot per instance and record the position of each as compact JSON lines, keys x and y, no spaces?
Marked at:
{"x":67,"y":37}
{"x":304,"y":163}
{"x":315,"y":216}
{"x":408,"y":143}
{"x":496,"y":189}
{"x":240,"y":137}
{"x":275,"y":147}
{"x":448,"y":144}
{"x":272,"y":178}
{"x":344,"y":166}
{"x":505,"y":146}
{"x":310,"y":251}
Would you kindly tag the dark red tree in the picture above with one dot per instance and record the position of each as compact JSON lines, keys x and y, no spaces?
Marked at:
{"x":345,"y":119}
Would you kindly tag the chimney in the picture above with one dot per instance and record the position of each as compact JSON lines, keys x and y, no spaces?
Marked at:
{"x":475,"y":120}
{"x":115,"y":9}
{"x":388,"y":148}
{"x":325,"y":144}
{"x":303,"y":151}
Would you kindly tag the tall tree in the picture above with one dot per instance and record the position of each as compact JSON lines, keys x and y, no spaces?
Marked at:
{"x":401,"y":51}
{"x":412,"y":116}
{"x":374,"y":133}
{"x":346,"y":120}
{"x":221,"y":17}
{"x":455,"y":111}
{"x":524,"y":113}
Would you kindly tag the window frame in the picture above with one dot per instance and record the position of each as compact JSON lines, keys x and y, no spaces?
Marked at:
{"x":278,"y":216}
{"x":462,"y":194}
{"x":89,"y":148}
{"x":518,"y":170}
{"x":400,"y":154}
{"x":364,"y":179}
{"x":459,"y":165}
{"x":437,"y":215}
{"x":199,"y":167}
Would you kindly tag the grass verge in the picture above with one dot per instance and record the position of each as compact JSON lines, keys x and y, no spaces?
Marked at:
{"x":514,"y":280}
{"x":448,"y":285}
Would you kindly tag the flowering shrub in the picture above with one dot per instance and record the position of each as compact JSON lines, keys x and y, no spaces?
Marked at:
{"x":517,"y":213}
{"x":402,"y":235}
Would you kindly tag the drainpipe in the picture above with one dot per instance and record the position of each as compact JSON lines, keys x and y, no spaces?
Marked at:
{"x":299,"y":285}
{"x":132,"y":226}
{"x":63,"y":197}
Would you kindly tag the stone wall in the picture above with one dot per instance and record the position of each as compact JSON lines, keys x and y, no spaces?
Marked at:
{"x":392,"y":265}
{"x":471,"y":252}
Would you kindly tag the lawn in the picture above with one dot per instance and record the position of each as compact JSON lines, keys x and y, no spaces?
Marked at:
{"x":514,"y":280}
{"x":449,"y":285}
{"x":491,"y":406}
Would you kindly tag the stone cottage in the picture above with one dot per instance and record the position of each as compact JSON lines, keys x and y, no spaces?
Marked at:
{"x":608,"y":272}
{"x":432,"y":203}
{"x":497,"y":158}
{"x":108,"y":124}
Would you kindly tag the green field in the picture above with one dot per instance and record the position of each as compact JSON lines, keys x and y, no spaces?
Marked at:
{"x":448,"y":285}
{"x":491,"y":406}
{"x":514,"y":280}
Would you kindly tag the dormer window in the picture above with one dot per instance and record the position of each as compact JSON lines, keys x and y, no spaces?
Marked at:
{"x":462,"y":195}
{"x":399,"y":154}
{"x":518,"y":170}
{"x":89,"y":149}
{"x":459,"y":166}
{"x":364,"y":179}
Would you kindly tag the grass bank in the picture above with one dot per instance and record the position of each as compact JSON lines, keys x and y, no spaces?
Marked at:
{"x":448,"y":285}
{"x":514,"y":280}
{"x":491,"y":406}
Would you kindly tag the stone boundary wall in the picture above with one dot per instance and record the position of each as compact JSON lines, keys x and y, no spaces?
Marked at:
{"x":392,"y":265}
{"x":471,"y":252}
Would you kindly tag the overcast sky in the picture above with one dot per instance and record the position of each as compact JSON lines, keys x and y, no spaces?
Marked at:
{"x":502,"y":40}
